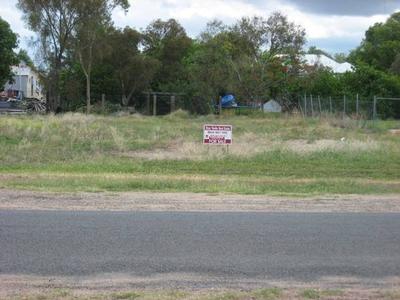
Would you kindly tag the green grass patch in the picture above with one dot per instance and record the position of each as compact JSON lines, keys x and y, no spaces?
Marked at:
{"x":263,"y":294}
{"x":311,"y":294}
{"x":214,"y":184}
{"x":268,"y":294}
{"x":266,"y":159}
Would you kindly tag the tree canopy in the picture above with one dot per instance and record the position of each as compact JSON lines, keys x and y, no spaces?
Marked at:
{"x":256,"y":58}
{"x":58,"y":23}
{"x":381,"y":46}
{"x":167,"y":42}
{"x":8,"y":42}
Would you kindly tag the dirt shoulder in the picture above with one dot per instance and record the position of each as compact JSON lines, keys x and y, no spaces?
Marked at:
{"x":190,"y":287}
{"x":143,"y":201}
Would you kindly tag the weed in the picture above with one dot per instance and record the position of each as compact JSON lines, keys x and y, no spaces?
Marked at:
{"x":310,"y":294}
{"x":331,"y":293}
{"x":268,"y":294}
{"x":126,"y":295}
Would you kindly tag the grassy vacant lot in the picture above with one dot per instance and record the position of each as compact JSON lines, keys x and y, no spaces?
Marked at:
{"x":285,"y":155}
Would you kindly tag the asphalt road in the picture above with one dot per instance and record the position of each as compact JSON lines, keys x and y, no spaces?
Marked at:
{"x":280,"y":246}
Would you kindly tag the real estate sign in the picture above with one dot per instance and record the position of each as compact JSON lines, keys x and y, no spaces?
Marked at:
{"x":217,"y":134}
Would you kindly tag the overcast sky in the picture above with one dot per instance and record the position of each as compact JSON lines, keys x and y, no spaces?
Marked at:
{"x":332,"y":25}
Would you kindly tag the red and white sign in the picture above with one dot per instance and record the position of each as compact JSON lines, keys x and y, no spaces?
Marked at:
{"x":217,"y":135}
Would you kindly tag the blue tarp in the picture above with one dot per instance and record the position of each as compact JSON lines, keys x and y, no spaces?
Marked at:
{"x":228,"y":101}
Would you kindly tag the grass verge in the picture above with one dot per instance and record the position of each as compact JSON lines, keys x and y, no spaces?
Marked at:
{"x":271,"y":155}
{"x":261,"y":294}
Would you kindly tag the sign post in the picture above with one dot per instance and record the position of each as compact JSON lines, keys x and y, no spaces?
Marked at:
{"x":220,"y":135}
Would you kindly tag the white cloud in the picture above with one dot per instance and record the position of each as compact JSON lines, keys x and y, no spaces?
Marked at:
{"x":142,"y":12}
{"x":322,"y":26}
{"x":194,"y":14}
{"x":10,"y":13}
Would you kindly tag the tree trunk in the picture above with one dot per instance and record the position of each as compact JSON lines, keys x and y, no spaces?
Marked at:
{"x":88,"y":94}
{"x":53,"y":91}
{"x":125,"y":100}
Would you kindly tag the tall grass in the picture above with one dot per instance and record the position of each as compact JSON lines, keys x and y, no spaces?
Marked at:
{"x":264,"y":147}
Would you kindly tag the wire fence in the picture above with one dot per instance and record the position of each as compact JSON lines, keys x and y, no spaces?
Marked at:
{"x":158,"y":103}
{"x":350,"y":106}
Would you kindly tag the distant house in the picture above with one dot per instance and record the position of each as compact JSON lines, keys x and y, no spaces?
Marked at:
{"x":25,"y":84}
{"x":312,"y":61}
{"x":320,"y":60}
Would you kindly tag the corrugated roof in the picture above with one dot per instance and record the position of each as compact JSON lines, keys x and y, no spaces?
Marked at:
{"x":322,"y":60}
{"x":22,"y":70}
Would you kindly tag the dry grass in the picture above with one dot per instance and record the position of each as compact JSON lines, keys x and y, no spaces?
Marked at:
{"x":178,"y":136}
{"x":169,"y":147}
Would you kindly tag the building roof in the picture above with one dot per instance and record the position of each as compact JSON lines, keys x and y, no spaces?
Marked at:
{"x":22,"y":69}
{"x":324,"y":61}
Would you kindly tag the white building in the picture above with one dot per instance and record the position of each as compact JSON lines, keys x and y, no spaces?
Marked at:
{"x":26,"y":83}
{"x":319,"y":60}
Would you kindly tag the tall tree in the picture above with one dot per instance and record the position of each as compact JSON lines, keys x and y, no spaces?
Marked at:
{"x":381,"y":45}
{"x":90,"y":37}
{"x":258,"y":42}
{"x":56,"y":23}
{"x":340,"y":57}
{"x":243,"y":58}
{"x":133,"y":70}
{"x":24,"y":56}
{"x":8,"y":42}
{"x":317,"y":51}
{"x":283,"y":36}
{"x":167,"y":42}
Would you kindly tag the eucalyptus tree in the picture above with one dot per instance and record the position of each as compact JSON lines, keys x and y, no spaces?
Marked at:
{"x":57,"y":23}
{"x":381,"y":46}
{"x":8,"y":42}
{"x":133,"y":70}
{"x":167,"y":42}
{"x":90,"y":37}
{"x":248,"y":54}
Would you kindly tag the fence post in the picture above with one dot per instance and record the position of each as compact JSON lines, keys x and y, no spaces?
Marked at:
{"x":312,"y":106}
{"x":319,"y":104}
{"x":58,"y":102}
{"x":305,"y":105}
{"x":357,"y":105}
{"x":344,"y":106}
{"x":330,"y":104}
{"x":374,"y":108}
{"x":154,"y":104}
{"x":172,"y":103}
{"x":148,"y":103}
{"x":103,"y":103}
{"x":220,"y":107}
